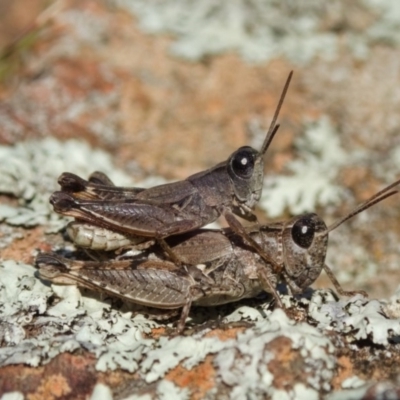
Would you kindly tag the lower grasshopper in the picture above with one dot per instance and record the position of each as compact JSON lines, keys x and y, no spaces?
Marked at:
{"x":219,"y":266}
{"x":232,"y":187}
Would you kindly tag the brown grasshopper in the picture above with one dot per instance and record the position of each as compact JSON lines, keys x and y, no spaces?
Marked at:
{"x":231,"y":187}
{"x":89,"y":236}
{"x":219,"y":266}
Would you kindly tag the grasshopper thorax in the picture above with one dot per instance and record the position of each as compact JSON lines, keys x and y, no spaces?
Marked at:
{"x":246,"y":171}
{"x":304,"y":242}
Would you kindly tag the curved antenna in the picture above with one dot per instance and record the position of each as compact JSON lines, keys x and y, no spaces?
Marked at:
{"x":376,"y":198}
{"x":272,"y":128}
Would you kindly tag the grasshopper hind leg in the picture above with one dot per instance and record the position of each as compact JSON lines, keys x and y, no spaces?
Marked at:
{"x":193,"y":291}
{"x":265,"y":278}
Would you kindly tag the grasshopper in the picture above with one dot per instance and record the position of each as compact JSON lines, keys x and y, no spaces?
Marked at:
{"x":220,"y":267}
{"x":100,"y":187}
{"x":231,"y":187}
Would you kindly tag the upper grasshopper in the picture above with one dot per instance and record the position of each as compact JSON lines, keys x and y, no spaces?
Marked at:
{"x":231,"y":187}
{"x":219,"y":267}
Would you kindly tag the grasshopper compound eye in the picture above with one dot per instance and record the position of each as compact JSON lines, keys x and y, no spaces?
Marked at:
{"x":303,"y":232}
{"x":242,"y":162}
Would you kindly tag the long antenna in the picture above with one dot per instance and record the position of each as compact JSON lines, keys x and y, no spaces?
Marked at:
{"x":376,"y":198}
{"x":272,"y":129}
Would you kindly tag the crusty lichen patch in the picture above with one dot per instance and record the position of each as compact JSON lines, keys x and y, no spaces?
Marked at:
{"x":313,"y":175}
{"x":29,"y":171}
{"x":261,"y":30}
{"x":269,"y":355}
{"x":357,"y":318}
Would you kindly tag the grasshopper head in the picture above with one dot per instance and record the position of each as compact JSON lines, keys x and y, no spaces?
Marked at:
{"x":304,"y":242}
{"x":246,"y":171}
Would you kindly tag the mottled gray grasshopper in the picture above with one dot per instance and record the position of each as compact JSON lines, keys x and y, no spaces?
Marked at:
{"x":231,"y":187}
{"x":219,"y":267}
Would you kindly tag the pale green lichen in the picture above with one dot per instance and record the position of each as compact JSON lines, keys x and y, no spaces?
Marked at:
{"x":25,"y":302}
{"x":146,"y":396}
{"x":358,"y":318}
{"x":168,"y":390}
{"x":353,"y":382}
{"x":260,"y":30}
{"x":12,"y":396}
{"x":386,"y":27}
{"x":101,"y":392}
{"x":299,"y":392}
{"x":246,"y":358}
{"x":257,"y":30}
{"x":349,"y":393}
{"x":312,"y":179}
{"x":392,"y":306}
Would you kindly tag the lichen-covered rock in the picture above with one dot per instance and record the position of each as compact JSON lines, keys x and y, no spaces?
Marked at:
{"x":88,"y":71}
{"x":268,"y":353}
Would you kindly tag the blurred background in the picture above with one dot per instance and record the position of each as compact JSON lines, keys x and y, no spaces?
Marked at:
{"x":153,"y":91}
